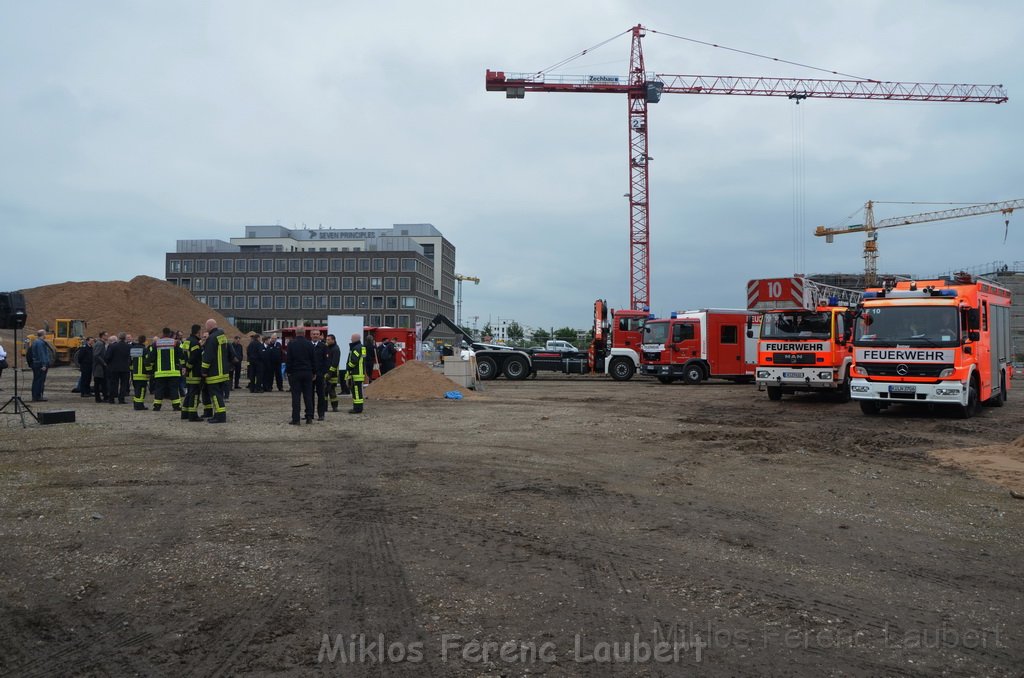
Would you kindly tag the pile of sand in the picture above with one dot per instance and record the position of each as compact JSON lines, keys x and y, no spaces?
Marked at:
{"x":414,"y":380}
{"x":143,"y":306}
{"x":1002,"y":464}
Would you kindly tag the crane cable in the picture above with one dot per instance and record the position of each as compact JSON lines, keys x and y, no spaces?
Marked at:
{"x":565,"y":61}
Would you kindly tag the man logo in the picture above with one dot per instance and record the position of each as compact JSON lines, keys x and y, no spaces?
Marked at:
{"x":902,"y":370}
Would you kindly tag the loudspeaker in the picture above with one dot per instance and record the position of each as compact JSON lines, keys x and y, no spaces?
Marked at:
{"x":12,"y":311}
{"x":57,"y":417}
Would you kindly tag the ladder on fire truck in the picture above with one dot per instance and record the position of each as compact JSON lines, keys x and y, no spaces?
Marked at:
{"x":830,"y":295}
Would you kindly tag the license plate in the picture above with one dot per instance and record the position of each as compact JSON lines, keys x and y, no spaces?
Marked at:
{"x":902,"y":388}
{"x":792,"y":375}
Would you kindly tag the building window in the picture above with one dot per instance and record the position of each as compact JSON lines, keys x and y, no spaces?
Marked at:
{"x":279,"y":302}
{"x":335,"y":302}
{"x":321,"y":302}
{"x":319,"y":284}
{"x":201,"y":266}
{"x":264,"y":284}
{"x":186,"y":265}
{"x":305,"y":283}
{"x":225,"y":302}
{"x":322,"y":265}
{"x":403,"y":321}
{"x":364,"y":303}
{"x":254,"y":302}
{"x":293,"y":284}
{"x":404,"y":284}
{"x":197,"y":285}
{"x":201,"y":299}
{"x":389,"y":320}
{"x":378,"y":265}
{"x":348,"y":284}
{"x":240,"y":266}
{"x":268,"y":265}
{"x":350,"y":265}
{"x":211,"y":284}
{"x":336,"y":265}
{"x":225,"y":284}
{"x":267,"y":301}
{"x":280,"y":266}
{"x":392,"y":302}
{"x":376,"y":302}
{"x":227,"y":265}
{"x":293,"y":301}
{"x":213,"y":302}
{"x":239,"y":302}
{"x":350,"y":302}
{"x":174,"y":266}
{"x":279,"y":284}
{"x":214,"y":265}
{"x":364,"y":265}
{"x":375,"y":320}
{"x":409,"y":265}
{"x":408,"y":302}
{"x":389,"y":284}
{"x":334,"y":284}
{"x":307,"y":301}
{"x":307,"y":265}
{"x":250,"y":284}
{"x":392,"y":266}
{"x":361,"y":284}
{"x":376,"y":284}
{"x":238,"y":284}
{"x":294,"y":266}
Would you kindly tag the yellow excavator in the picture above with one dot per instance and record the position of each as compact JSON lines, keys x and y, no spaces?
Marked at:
{"x":68,"y":338}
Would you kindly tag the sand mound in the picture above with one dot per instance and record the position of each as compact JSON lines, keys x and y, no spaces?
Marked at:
{"x":144,"y":305}
{"x":414,"y":380}
{"x":1001,"y":464}
{"x":1019,"y":442}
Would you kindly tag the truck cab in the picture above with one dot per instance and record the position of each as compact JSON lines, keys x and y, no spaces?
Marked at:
{"x":804,"y":350}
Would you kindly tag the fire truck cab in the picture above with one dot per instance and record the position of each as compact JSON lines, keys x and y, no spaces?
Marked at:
{"x":618,"y":335}
{"x":933,"y":342}
{"x":697,"y":345}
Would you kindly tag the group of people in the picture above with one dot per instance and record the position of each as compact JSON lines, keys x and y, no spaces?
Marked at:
{"x":315,"y":374}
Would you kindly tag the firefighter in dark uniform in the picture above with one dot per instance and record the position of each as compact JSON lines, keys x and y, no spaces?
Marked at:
{"x":168,"y":366}
{"x":193,"y":355}
{"x":333,"y":361}
{"x":217,"y":370}
{"x":142,"y":371}
{"x":356,"y":372}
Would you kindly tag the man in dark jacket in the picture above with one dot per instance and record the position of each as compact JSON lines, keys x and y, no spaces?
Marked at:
{"x":319,"y":373}
{"x":99,"y":365}
{"x":332,"y":378}
{"x":237,"y":356}
{"x":275,"y":356}
{"x":83,"y":356}
{"x":254,"y":354}
{"x":38,"y":358}
{"x":300,"y":376}
{"x":119,"y":365}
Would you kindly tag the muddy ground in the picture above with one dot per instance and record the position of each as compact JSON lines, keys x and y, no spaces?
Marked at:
{"x":556,"y":527}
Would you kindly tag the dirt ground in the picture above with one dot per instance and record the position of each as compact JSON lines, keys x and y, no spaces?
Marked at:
{"x":570,"y":526}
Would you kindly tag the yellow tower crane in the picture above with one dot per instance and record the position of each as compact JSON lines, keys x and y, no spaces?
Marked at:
{"x":871,"y":227}
{"x":458,"y":297}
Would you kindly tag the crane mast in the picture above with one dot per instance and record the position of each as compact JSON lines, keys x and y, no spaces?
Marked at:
{"x":642,"y":88}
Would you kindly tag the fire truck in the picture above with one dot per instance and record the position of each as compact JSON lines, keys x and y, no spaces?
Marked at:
{"x":932,"y":342}
{"x":804,"y":343}
{"x":697,"y":345}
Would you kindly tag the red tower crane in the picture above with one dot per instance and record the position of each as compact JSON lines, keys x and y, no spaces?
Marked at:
{"x":642,"y":88}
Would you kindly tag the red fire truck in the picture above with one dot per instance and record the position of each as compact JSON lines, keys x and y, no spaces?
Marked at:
{"x":804,"y":343}
{"x":933,"y":342}
{"x":697,"y":345}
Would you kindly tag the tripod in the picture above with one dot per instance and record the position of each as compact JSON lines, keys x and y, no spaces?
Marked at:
{"x":20,"y":406}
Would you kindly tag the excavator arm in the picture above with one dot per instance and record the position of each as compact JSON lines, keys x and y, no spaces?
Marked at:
{"x":442,"y":319}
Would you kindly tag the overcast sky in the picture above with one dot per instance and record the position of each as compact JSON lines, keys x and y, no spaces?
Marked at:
{"x":128,"y":125}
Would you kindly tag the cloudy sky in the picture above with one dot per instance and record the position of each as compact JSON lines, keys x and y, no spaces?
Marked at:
{"x":126,"y":125}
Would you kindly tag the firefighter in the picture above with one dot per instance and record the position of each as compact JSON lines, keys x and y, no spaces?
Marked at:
{"x":193,"y":356}
{"x":168,"y":366}
{"x":333,"y":360}
{"x":142,"y":371}
{"x":217,"y":370}
{"x":356,"y":372}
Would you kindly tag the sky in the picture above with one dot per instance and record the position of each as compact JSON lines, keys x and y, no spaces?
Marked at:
{"x":127,"y":125}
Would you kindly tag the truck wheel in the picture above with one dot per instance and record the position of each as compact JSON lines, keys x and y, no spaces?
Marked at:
{"x":622,"y":369}
{"x":870,"y":407}
{"x":843,"y":392}
{"x":1000,"y":397}
{"x":666,"y":380}
{"x":972,"y":407}
{"x":486,"y":368}
{"x":774,"y":393}
{"x":516,"y":368}
{"x":693,"y":374}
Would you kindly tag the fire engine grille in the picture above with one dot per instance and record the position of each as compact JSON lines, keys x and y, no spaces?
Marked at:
{"x":904,"y":369}
{"x":652,"y":356}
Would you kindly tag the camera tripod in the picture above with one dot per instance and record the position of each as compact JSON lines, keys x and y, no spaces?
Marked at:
{"x":20,"y":406}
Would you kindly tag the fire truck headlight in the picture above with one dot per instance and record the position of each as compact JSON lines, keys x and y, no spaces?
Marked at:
{"x":824,"y":375}
{"x":948,"y":372}
{"x":763,"y":374}
{"x":859,"y":371}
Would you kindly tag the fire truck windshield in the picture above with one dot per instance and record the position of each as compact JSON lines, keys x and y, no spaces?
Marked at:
{"x":797,"y":325}
{"x":655,"y":332}
{"x":911,"y":325}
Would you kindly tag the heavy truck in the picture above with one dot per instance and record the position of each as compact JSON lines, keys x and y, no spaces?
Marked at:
{"x":63,"y":342}
{"x":932,"y":342}
{"x":614,"y":350}
{"x":694,"y":346}
{"x":804,"y":343}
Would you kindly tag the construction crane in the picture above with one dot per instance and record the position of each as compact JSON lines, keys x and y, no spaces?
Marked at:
{"x":871,"y":227}
{"x":642,"y":88}
{"x":458,"y":297}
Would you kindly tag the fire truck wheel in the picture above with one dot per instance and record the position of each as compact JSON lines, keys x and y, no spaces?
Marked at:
{"x":1000,"y":397}
{"x":622,"y":369}
{"x":516,"y":368}
{"x":486,"y":368}
{"x":774,"y":393}
{"x":843,"y":392}
{"x":973,"y":406}
{"x":870,"y":407}
{"x":693,"y":374}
